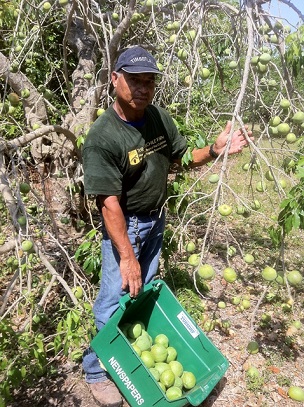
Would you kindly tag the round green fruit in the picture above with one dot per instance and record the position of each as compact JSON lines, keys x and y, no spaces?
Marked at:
{"x":256,"y":205}
{"x":298,"y":117}
{"x":24,"y":188}
{"x":291,"y":138}
{"x":173,"y":393}
{"x":229,"y":275}
{"x":63,"y":2}
{"x":88,"y":76}
{"x":283,"y":129}
{"x":269,"y":273}
{"x":231,"y":251}
{"x":190,"y":247}
{"x":248,"y":258}
{"x":233,"y":64}
{"x":221,"y":305}
{"x":246,"y":304}
{"x":269,"y":176}
{"x":261,"y":68}
{"x":194,"y":260}
{"x":135,"y":330}
{"x":172,"y":354}
{"x":254,"y":60}
{"x":260,"y":186}
{"x":13,"y":98}
{"x":214,"y":178}
{"x":205,"y":73}
{"x":274,"y":39}
{"x":159,"y":352}
{"x":182,"y":54}
{"x":284,"y":103}
{"x":206,"y":271}
{"x":137,"y":350}
{"x":265,"y":58}
{"x":167,"y":378}
{"x":296,"y":393}
{"x":176,"y":367}
{"x":78,"y":292}
{"x":21,"y":220}
{"x":100,"y":111}
{"x":115,"y":16}
{"x":162,"y":339}
{"x":253,"y":347}
{"x":147,"y":359}
{"x":189,"y":380}
{"x":225,"y":210}
{"x":172,"y":38}
{"x":27,"y":245}
{"x":252,"y":372}
{"x":294,"y":278}
{"x":275,"y":121}
{"x":46,"y":6}
{"x":25,"y":93}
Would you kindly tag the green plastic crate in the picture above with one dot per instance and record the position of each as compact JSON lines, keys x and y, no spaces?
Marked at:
{"x":160,"y":311}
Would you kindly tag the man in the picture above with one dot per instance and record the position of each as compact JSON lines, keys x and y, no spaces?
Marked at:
{"x":126,"y":160}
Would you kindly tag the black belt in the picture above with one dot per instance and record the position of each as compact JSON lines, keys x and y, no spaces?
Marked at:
{"x":149,"y":213}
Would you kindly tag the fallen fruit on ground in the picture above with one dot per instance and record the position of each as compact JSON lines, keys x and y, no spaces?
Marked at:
{"x":193,"y":260}
{"x":248,"y":258}
{"x":294,"y":277}
{"x":252,"y":372}
{"x":296,"y":393}
{"x":229,"y":275}
{"x":206,"y":271}
{"x":24,"y":188}
{"x":27,"y":245}
{"x":253,"y":347}
{"x":214,"y":178}
{"x":269,"y":273}
{"x":190,"y":247}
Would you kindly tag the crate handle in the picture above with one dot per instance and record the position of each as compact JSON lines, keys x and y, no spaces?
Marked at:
{"x":126,"y":300}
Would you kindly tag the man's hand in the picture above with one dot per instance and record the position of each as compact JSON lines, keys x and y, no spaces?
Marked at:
{"x":131,"y":275}
{"x":115,"y":224}
{"x":238,"y":140}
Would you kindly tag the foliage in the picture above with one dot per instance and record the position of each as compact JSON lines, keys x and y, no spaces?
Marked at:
{"x":89,"y":257}
{"x":63,"y":56}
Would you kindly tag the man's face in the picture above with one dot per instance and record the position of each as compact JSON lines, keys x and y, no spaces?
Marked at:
{"x":134,"y":91}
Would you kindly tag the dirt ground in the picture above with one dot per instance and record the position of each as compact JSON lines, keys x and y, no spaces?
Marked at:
{"x":68,"y":388}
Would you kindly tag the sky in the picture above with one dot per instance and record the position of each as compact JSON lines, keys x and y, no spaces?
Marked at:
{"x":281,"y":10}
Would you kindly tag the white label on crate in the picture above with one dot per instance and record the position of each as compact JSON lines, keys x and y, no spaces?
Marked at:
{"x":122,"y":375}
{"x":188,"y":324}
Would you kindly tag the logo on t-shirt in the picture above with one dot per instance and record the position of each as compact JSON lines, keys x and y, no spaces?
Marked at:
{"x":151,"y":147}
{"x":133,"y":157}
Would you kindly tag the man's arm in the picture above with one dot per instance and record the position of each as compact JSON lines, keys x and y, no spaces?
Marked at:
{"x":238,"y":142}
{"x":115,"y":224}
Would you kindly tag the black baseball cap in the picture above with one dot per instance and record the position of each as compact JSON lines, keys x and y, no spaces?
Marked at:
{"x":136,"y":60}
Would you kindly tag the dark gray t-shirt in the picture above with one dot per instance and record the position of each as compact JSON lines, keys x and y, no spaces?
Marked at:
{"x":132,"y":162}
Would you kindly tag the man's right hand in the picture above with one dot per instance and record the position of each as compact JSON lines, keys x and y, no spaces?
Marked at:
{"x":131,"y":276}
{"x":115,"y":224}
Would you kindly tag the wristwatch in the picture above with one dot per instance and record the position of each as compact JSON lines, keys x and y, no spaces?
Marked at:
{"x":212,"y":153}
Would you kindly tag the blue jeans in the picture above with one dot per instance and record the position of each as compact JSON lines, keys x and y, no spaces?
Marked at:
{"x":150,"y":230}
